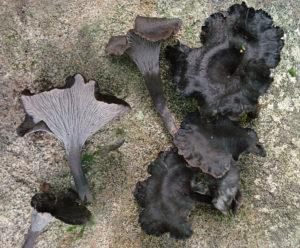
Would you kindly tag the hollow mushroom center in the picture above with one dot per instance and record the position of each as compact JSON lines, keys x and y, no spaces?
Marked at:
{"x":223,"y":64}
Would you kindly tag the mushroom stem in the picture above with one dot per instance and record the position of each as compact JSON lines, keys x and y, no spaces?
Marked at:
{"x":31,"y":238}
{"x":142,"y":44}
{"x":145,"y":54}
{"x":154,"y":85}
{"x":39,"y":222}
{"x":74,"y":161}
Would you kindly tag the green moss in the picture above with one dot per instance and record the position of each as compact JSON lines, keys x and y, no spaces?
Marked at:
{"x":243,"y":118}
{"x":188,"y":7}
{"x":71,"y":229}
{"x":165,"y":13}
{"x":86,"y":169}
{"x":33,"y":63}
{"x":16,"y":66}
{"x":120,"y":133}
{"x":80,"y":234}
{"x":65,"y":175}
{"x":92,"y":31}
{"x":11,"y":37}
{"x":87,"y":158}
{"x":111,"y":85}
{"x":99,"y":151}
{"x":243,"y":47}
{"x":179,"y":105}
{"x":91,"y":222}
{"x":100,"y":190}
{"x":24,"y":67}
{"x":117,"y":240}
{"x":292,"y":72}
{"x":191,"y":30}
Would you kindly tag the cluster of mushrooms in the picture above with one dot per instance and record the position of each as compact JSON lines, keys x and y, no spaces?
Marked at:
{"x":226,"y":76}
{"x":71,"y":114}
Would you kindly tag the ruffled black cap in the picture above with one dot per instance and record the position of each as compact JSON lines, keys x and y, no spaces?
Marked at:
{"x":232,"y":69}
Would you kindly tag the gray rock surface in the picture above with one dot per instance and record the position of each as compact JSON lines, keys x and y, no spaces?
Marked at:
{"x":43,"y":42}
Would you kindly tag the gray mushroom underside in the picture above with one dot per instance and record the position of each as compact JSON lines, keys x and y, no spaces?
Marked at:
{"x":38,"y":223}
{"x":72,"y":114}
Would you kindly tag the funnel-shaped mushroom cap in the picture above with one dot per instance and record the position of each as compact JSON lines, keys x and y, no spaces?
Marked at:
{"x":40,"y":220}
{"x":211,"y":146}
{"x":117,"y":45}
{"x":63,"y":206}
{"x":252,"y":29}
{"x":155,"y":29}
{"x":224,"y":191}
{"x":149,"y":28}
{"x":71,"y":114}
{"x":167,"y":197}
{"x":232,"y":69}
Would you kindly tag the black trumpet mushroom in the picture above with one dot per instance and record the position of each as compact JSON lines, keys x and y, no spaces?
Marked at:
{"x":214,"y":147}
{"x":224,"y":191}
{"x":211,"y":146}
{"x":48,"y":206}
{"x":142,"y":44}
{"x":232,"y":68}
{"x":71,"y":114}
{"x":168,"y":196}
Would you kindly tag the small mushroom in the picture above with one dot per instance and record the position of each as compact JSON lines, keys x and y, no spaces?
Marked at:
{"x":168,"y":196}
{"x":71,"y":114}
{"x":232,"y":68}
{"x":47,"y":207}
{"x":143,"y":44}
{"x":224,"y":191}
{"x":211,"y":146}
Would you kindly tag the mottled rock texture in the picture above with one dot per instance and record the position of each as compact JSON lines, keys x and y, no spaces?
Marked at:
{"x":43,"y":42}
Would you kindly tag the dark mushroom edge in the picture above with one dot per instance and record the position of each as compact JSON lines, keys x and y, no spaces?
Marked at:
{"x":168,"y":196}
{"x":211,"y":146}
{"x":232,"y":68}
{"x":48,"y":206}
